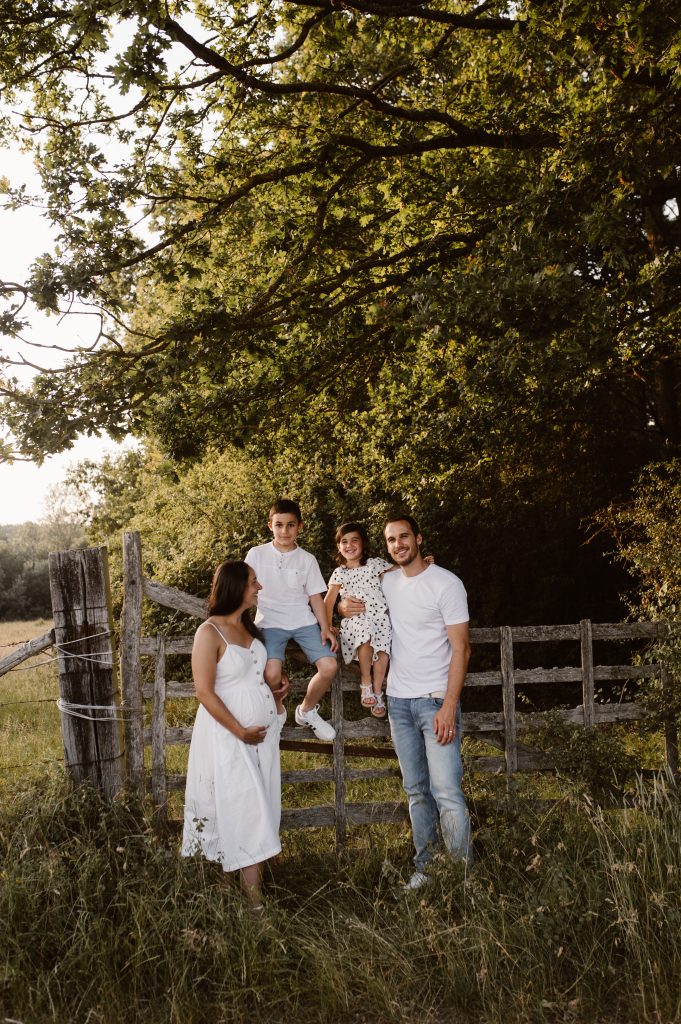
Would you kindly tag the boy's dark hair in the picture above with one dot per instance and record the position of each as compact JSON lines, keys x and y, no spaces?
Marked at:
{"x":284,"y":506}
{"x":227,"y":592}
{"x":354,"y":528}
{"x":402,"y":517}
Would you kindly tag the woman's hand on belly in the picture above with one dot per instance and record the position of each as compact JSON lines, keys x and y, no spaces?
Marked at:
{"x":253,"y":734}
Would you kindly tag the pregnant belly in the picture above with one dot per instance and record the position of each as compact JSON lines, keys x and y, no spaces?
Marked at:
{"x":250,"y":705}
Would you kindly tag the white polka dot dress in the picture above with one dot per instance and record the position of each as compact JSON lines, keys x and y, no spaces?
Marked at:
{"x":364,"y":582}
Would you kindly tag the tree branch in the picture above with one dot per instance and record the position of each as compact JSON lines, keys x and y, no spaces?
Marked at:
{"x":475,"y":20}
{"x":427,"y":116}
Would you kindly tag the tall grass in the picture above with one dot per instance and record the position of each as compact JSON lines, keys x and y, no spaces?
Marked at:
{"x":572,"y":915}
{"x":30,"y":735}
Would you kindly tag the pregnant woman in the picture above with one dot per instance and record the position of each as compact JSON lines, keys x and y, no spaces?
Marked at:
{"x":232,"y":805}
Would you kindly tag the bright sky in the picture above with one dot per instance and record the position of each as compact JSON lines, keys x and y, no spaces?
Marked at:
{"x":25,"y":236}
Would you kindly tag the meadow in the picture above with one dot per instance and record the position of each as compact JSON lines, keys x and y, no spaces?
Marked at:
{"x":30,"y":738}
{"x":571,"y":913}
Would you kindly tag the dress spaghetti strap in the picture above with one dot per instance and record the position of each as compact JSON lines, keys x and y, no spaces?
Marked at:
{"x":218,"y":631}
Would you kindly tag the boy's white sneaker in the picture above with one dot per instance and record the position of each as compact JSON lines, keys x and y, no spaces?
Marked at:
{"x":417,"y":881}
{"x":322,"y":730}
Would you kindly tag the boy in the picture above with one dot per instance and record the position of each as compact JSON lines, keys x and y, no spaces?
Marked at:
{"x":291,"y":607}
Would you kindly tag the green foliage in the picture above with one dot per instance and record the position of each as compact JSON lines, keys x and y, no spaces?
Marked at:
{"x":189,"y":520}
{"x":24,"y":549}
{"x":597,"y":758}
{"x":24,"y":580}
{"x":646,"y":532}
{"x":396,"y":256}
{"x":388,"y":176}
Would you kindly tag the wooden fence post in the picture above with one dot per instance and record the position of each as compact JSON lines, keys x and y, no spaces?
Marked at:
{"x":587,"y":649}
{"x":159,"y":786}
{"x":508,"y":695}
{"x":131,"y":663}
{"x":81,"y":605}
{"x":340,"y":815}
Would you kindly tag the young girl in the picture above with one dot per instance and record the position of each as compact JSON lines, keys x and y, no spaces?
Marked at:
{"x":366,"y":636}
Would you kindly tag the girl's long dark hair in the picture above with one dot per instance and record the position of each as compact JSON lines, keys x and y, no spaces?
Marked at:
{"x":364,"y":536}
{"x":227,"y":593}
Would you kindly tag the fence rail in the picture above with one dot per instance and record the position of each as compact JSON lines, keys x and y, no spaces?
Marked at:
{"x":25,"y":651}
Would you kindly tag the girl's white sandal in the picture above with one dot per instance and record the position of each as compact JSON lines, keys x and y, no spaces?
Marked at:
{"x":379,"y":709}
{"x":367,"y":697}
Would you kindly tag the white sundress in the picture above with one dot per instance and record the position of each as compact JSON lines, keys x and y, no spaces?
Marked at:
{"x":232,"y":808}
{"x":364,"y":582}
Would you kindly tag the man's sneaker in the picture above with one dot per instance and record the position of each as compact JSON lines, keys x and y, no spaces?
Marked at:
{"x":322,"y":730}
{"x":417,"y":881}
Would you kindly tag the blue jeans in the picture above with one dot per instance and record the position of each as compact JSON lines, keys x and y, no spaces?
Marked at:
{"x":431,"y":776}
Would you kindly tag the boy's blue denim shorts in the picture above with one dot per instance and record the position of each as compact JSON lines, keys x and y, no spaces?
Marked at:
{"x":308,"y":638}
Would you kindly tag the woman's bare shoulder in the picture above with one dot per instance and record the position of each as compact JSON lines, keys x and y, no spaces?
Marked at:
{"x":211,"y":633}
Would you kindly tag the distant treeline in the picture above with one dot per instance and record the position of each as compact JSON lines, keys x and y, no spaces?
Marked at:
{"x":24,"y":582}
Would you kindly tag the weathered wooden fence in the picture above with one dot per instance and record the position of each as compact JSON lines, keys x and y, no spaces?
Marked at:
{"x":370,"y":737}
{"x":92,"y":718}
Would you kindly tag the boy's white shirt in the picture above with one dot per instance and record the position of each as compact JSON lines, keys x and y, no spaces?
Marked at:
{"x":288,"y":579}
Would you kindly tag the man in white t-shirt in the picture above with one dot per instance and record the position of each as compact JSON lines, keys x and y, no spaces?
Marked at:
{"x":428,"y":663}
{"x":291,"y":607}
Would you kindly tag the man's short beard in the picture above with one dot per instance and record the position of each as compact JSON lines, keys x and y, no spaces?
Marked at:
{"x":412,"y":559}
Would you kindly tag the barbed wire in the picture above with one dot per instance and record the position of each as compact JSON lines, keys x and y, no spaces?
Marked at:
{"x":30,"y":668}
{"x":41,"y":700}
{"x":66,"y":643}
{"x":94,"y":659}
{"x":19,"y":643}
{"x":60,"y":761}
{"x":76,"y":710}
{"x":30,"y":764}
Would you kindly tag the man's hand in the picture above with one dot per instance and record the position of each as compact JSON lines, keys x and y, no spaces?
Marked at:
{"x":280,"y":693}
{"x":349,"y":606}
{"x":444,"y":723}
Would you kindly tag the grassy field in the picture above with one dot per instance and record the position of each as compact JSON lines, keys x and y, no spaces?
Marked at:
{"x":571,"y":914}
{"x":30,"y":738}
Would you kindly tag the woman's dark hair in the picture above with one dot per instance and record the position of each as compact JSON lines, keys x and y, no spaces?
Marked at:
{"x":364,"y":537}
{"x":227,"y":593}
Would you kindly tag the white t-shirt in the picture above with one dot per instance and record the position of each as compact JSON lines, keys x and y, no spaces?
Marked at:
{"x":288,"y":579}
{"x":421,"y":607}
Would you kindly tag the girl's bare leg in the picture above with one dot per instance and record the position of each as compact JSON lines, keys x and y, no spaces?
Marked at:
{"x":251,"y":879}
{"x":380,"y":669}
{"x":364,"y":655}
